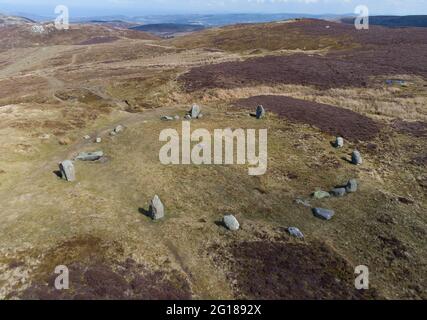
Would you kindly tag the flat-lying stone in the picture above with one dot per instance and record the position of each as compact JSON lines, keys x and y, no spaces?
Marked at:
{"x":231,"y":223}
{"x":321,"y":195}
{"x":324,"y":214}
{"x":338,"y":192}
{"x":167,"y":118}
{"x":295,"y":232}
{"x":90,"y":156}
{"x":67,"y":170}
{"x":352,"y":186}
{"x":157,"y":210}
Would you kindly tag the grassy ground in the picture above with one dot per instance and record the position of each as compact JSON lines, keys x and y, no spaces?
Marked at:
{"x":46,"y":221}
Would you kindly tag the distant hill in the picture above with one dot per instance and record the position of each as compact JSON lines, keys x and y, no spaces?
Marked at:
{"x":394,"y":21}
{"x":168,"y":29}
{"x":13,"y":20}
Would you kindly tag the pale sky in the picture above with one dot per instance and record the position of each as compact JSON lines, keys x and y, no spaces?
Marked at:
{"x":80,"y":8}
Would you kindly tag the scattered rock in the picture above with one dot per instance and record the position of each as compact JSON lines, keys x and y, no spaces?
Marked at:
{"x":260,"y":112}
{"x":352,"y":186}
{"x":321,"y":195}
{"x":113,"y":133}
{"x":195,"y":111}
{"x":231,"y":223}
{"x":45,"y":136}
{"x":157,"y":210}
{"x":324,"y":214}
{"x":356,"y":158}
{"x":63,"y":141}
{"x":167,"y":118}
{"x":339,"y":143}
{"x":177,"y":117}
{"x":295,"y":232}
{"x":90,"y":156}
{"x":98,"y":140}
{"x":67,"y":170}
{"x":303,"y":202}
{"x":338,"y":192}
{"x":86,"y":137}
{"x":187,"y":117}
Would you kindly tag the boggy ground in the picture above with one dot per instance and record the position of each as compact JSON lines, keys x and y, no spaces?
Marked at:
{"x":51,"y":96}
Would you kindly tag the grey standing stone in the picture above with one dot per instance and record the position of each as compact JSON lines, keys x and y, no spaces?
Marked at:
{"x":260,"y":112}
{"x":339,"y":143}
{"x":295,"y":232}
{"x":356,"y":158}
{"x":352,"y":186}
{"x":338,"y":192}
{"x":157,"y":210}
{"x":195,"y":111}
{"x":324,"y":214}
{"x":231,"y":223}
{"x":67,"y":170}
{"x":90,"y":156}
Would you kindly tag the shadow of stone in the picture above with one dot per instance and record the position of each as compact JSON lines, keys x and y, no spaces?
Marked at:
{"x":347,"y":160}
{"x":220,"y":223}
{"x":58,"y":173}
{"x":145,"y":212}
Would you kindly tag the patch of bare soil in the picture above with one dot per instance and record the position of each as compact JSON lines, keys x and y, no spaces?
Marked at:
{"x":332,"y":120}
{"x":416,"y":128}
{"x":336,"y":70}
{"x":291,"y":271}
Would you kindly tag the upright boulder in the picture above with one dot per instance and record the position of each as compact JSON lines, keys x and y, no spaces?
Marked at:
{"x":339,"y":142}
{"x":356,"y":158}
{"x":67,"y":170}
{"x":295,"y":232}
{"x":195,"y":111}
{"x":260,"y":112}
{"x":352,"y":186}
{"x":157,"y":210}
{"x":231,"y":222}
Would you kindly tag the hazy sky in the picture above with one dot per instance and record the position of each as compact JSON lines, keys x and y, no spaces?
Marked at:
{"x":141,"y":7}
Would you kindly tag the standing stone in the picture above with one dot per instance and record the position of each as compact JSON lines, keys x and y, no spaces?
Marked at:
{"x":339,"y":143}
{"x":295,"y":232}
{"x":195,"y":111}
{"x":260,"y":112}
{"x":231,"y":223}
{"x":157,"y":209}
{"x":352,"y":186}
{"x":356,"y":158}
{"x":324,"y":214}
{"x":338,"y":192}
{"x":67,"y":170}
{"x":98,"y":140}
